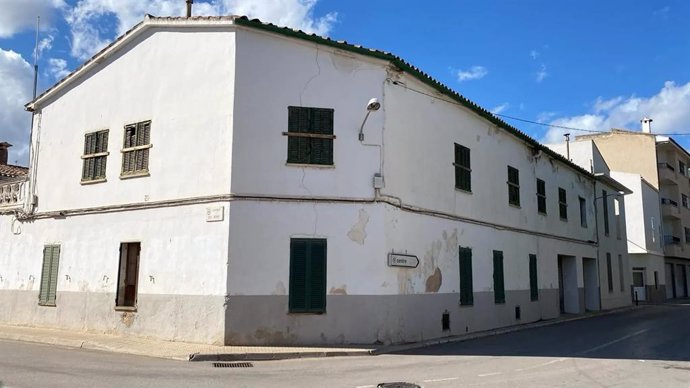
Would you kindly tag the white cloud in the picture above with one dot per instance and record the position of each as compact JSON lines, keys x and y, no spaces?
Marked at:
{"x":15,"y":90}
{"x":534,"y":54}
{"x":542,"y":74}
{"x":20,"y":15}
{"x":476,"y":72}
{"x":88,"y":35}
{"x":669,"y":108}
{"x":545,"y":116}
{"x":500,"y":108}
{"x":58,"y":68}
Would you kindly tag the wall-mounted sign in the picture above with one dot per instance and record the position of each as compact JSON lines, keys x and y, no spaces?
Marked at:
{"x":402,"y":260}
{"x":215,"y":214}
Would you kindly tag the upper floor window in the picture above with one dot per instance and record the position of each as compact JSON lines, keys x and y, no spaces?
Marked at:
{"x":310,"y":135}
{"x":463,"y":172}
{"x":562,"y":204}
{"x":681,"y":168}
{"x":605,"y":210}
{"x":684,"y":200}
{"x":541,"y":196}
{"x":583,"y":212}
{"x":513,"y":186}
{"x":135,"y":149}
{"x":95,"y":156}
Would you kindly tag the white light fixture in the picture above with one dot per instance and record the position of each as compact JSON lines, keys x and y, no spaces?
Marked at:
{"x":372,"y":106}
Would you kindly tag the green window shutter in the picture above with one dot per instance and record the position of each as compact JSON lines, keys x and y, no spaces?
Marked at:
{"x":605,"y":210}
{"x":499,"y":287}
{"x":309,"y":150}
{"x":513,"y":186}
{"x":307,"y":275}
{"x":49,"y":275}
{"x":317,"y":276}
{"x":466,"y":288}
{"x":533,"y":284}
{"x":541,"y":196}
{"x":463,"y":171}
{"x":298,"y":275}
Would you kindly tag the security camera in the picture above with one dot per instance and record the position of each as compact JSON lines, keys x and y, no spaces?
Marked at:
{"x":373,"y":104}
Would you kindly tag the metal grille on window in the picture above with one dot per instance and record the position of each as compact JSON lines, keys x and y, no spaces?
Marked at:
{"x":463,"y":171}
{"x":136,"y":147}
{"x":310,"y":135}
{"x":95,"y":156}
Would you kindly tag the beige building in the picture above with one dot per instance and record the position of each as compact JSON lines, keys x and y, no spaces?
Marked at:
{"x":658,"y":167}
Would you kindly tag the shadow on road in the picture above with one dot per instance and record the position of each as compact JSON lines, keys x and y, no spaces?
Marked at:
{"x":660,"y":332}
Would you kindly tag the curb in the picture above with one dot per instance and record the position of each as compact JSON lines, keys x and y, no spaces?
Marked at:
{"x":275,"y":356}
{"x":492,"y":332}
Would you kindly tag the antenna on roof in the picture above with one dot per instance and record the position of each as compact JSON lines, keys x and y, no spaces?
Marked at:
{"x":189,"y":8}
{"x":38,"y":24}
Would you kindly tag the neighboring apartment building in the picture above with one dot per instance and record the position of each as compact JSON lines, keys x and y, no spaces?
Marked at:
{"x":655,"y":168}
{"x":221,"y":180}
{"x":611,"y":202}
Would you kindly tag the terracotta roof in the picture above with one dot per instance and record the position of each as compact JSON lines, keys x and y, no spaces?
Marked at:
{"x":10,"y":171}
{"x":343,"y":45}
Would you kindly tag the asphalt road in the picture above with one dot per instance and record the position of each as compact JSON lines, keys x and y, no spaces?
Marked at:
{"x":649,"y":347}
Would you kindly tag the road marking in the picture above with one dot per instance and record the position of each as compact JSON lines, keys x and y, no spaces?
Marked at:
{"x":540,"y":365}
{"x":439,"y":380}
{"x":594,"y":349}
{"x":490,"y":374}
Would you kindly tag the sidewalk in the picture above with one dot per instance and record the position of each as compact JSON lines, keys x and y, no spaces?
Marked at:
{"x":200,"y":352}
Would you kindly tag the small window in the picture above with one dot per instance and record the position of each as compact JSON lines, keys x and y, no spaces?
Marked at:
{"x":684,"y":200}
{"x":95,"y":156}
{"x":541,"y":196}
{"x":499,"y":286}
{"x":310,"y":135}
{"x":463,"y":172}
{"x":681,"y":168}
{"x":135,"y":149}
{"x":128,"y":276}
{"x":609,"y":273}
{"x":533,"y":284}
{"x":513,"y":186}
{"x":562,"y":204}
{"x":617,"y":212}
{"x":307,"y":275}
{"x":605,"y":210}
{"x":621,"y":273}
{"x":687,"y":235}
{"x":656,"y":280}
{"x":49,"y":275}
{"x":466,"y":288}
{"x":583,"y":212}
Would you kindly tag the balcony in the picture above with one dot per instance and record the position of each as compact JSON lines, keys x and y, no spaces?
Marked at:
{"x":12,"y":194}
{"x":669,"y":208}
{"x":667,"y":174}
{"x":673,"y":246}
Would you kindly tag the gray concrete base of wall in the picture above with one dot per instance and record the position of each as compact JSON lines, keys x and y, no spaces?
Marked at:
{"x":378,"y":319}
{"x":189,"y":318}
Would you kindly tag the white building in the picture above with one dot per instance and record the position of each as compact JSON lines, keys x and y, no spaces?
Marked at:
{"x":220,"y":180}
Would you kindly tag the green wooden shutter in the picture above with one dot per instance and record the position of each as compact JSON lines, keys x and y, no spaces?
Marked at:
{"x":298,"y":275}
{"x":49,"y":275}
{"x":533,"y":284}
{"x":317,"y":276}
{"x":499,"y":287}
{"x":466,"y":288}
{"x":463,"y":175}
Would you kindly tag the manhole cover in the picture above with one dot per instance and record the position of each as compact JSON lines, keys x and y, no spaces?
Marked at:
{"x":232,"y":365}
{"x":398,"y":385}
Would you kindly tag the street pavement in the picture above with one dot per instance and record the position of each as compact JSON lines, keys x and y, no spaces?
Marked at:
{"x":647,"y":347}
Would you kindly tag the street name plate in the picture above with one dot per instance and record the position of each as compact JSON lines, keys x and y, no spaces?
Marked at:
{"x":401,"y":260}
{"x":215,"y":214}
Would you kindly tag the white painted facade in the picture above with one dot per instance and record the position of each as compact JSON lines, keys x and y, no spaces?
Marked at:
{"x":217,"y":95}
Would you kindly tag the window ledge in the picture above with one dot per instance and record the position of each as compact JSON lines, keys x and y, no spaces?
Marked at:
{"x":47,"y":304}
{"x":92,"y":181}
{"x":465,"y":304}
{"x":306,"y":313}
{"x":564,"y":219}
{"x":542,"y":213}
{"x":325,"y":166}
{"x":135,"y":175}
{"x":463,"y":191}
{"x":515,"y":206}
{"x":126,"y":308}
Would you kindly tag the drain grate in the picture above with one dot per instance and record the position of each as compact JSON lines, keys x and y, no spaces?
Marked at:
{"x":398,"y":385}
{"x":233,"y":365}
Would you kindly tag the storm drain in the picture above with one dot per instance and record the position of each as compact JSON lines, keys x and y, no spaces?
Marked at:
{"x":398,"y":385}
{"x":233,"y":365}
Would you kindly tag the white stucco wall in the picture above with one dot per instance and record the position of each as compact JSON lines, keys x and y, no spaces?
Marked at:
{"x":643,"y":216}
{"x":164,"y":75}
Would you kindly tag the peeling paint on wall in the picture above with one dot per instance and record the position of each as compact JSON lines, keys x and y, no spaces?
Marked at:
{"x":358,"y":232}
{"x":127,"y":318}
{"x":433,"y":282}
{"x":342,"y":290}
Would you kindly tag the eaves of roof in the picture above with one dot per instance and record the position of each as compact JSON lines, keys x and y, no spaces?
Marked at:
{"x":672,"y":142}
{"x":342,"y":45}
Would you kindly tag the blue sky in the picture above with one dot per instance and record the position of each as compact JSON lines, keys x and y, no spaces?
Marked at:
{"x":583,"y":64}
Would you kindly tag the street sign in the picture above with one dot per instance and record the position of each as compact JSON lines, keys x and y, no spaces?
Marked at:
{"x":402,"y":260}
